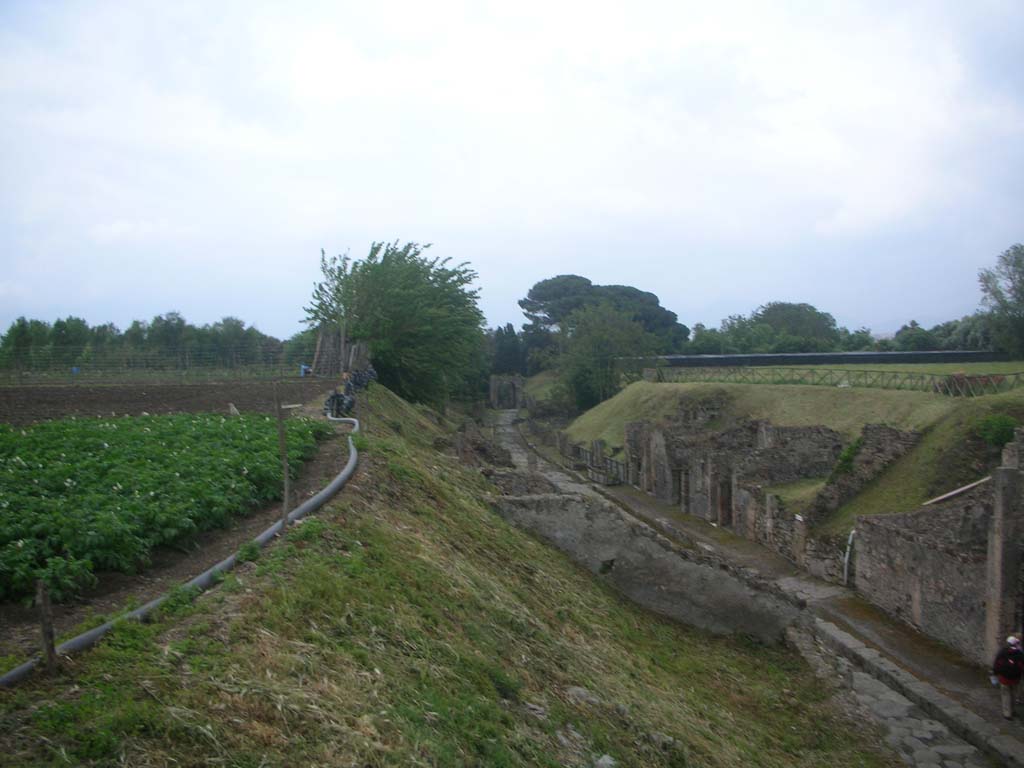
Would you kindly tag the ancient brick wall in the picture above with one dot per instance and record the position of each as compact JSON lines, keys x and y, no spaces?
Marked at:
{"x":880,"y":446}
{"x":928,"y":567}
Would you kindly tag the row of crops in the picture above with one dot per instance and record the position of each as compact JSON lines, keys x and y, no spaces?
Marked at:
{"x":84,"y":495}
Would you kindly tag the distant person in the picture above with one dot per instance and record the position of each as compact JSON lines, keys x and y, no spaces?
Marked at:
{"x":1008,"y":667}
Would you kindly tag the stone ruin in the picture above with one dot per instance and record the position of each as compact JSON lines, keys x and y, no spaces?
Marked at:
{"x":954,"y":568}
{"x":507,"y":392}
{"x":705,"y":470}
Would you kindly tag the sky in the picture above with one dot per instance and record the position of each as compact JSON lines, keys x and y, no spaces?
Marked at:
{"x":863,"y":157}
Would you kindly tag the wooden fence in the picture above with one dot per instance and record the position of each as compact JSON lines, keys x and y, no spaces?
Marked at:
{"x":952,"y":384}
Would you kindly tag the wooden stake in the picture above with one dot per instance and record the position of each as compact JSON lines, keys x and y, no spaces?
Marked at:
{"x":282,"y":446}
{"x":46,"y":625}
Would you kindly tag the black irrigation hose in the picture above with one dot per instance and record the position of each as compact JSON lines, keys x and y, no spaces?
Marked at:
{"x":207,"y":578}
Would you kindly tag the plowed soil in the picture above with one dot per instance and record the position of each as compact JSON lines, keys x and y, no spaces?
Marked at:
{"x":20,"y":405}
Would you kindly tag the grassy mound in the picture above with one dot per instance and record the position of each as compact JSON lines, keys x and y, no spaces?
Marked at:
{"x":951,"y":453}
{"x":409,"y":625}
{"x":846,"y":410}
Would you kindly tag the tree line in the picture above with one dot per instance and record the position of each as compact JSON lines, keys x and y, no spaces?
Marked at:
{"x":420,"y":319}
{"x":578,"y":330}
{"x":167,"y":341}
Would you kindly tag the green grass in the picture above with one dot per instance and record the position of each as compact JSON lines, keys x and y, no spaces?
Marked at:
{"x":798,"y":495}
{"x":409,"y":625}
{"x":540,"y":386}
{"x":1010,"y":366}
{"x":951,"y":454}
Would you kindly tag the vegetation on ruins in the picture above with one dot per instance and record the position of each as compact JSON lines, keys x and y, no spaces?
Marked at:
{"x":418,"y":315}
{"x":83,"y":495}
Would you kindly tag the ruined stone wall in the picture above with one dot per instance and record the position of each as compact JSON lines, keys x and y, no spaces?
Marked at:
{"x":685,"y":585}
{"x":880,"y":446}
{"x":928,"y":567}
{"x":786,"y":454}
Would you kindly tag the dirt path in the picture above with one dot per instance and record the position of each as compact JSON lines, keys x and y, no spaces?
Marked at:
{"x":19,"y":630}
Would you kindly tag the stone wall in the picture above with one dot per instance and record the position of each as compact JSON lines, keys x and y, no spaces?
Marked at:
{"x":705,"y":470}
{"x":688,"y":586}
{"x":879,"y":446}
{"x":928,"y":567}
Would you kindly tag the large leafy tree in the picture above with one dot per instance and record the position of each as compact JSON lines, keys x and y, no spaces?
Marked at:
{"x":1002,"y":290}
{"x":551,"y":302}
{"x":595,"y":335}
{"x":508,"y":353}
{"x":799,"y":321}
{"x":419,"y":317}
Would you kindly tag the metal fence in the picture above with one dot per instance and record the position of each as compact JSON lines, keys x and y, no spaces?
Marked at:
{"x":952,"y":385}
{"x":613,"y":469}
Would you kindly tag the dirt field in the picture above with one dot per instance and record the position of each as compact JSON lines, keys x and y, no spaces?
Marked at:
{"x":21,"y":405}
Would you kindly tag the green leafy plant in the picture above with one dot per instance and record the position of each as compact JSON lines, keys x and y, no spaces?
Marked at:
{"x":996,"y":429}
{"x":248,"y":552}
{"x":844,"y":464}
{"x":80,"y":495}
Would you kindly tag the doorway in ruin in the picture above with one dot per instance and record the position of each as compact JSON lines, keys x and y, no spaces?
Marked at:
{"x":724,"y":502}
{"x":506,"y":395}
{"x":684,"y":492}
{"x":677,"y":485}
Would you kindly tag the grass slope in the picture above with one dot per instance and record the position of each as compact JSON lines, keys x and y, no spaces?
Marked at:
{"x":541,"y":385}
{"x":949,"y":456}
{"x":409,"y":625}
{"x":846,"y":410}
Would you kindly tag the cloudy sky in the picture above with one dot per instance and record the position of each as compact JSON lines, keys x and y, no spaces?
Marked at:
{"x":865,"y":157}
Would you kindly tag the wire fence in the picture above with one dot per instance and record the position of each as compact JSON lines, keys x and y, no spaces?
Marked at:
{"x":951,"y":385}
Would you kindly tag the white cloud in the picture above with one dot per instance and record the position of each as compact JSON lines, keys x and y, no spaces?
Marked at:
{"x":725,"y":128}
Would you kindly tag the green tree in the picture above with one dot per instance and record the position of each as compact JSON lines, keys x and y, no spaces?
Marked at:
{"x":1002,"y":289}
{"x":913,"y":338}
{"x":860,"y":340}
{"x":508,"y":357}
{"x":595,"y":336}
{"x":799,"y":321}
{"x":969,"y":332}
{"x":419,"y":317}
{"x":551,"y":302}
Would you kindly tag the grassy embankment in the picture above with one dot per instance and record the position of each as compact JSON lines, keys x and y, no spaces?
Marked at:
{"x":407,"y":624}
{"x":949,"y":455}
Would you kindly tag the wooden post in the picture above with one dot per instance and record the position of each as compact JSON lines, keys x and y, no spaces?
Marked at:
{"x":46,"y":625}
{"x":282,"y":446}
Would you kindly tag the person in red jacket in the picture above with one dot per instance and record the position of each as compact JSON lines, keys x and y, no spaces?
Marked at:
{"x":1009,"y":667}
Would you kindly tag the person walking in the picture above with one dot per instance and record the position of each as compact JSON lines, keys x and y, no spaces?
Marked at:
{"x":1008,"y":667}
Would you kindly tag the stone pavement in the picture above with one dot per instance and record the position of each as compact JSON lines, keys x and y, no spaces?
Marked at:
{"x":919,"y":739}
{"x":936,"y":709}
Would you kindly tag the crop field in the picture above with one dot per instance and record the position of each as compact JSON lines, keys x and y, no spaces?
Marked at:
{"x":21,"y":405}
{"x":82,"y":495}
